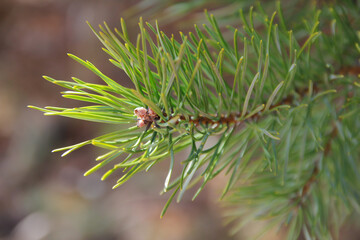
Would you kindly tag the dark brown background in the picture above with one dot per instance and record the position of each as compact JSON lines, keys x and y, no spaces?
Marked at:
{"x":43,"y":196}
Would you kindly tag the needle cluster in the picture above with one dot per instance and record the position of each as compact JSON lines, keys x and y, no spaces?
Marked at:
{"x":276,"y":94}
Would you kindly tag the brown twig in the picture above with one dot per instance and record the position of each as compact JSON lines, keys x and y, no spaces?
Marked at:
{"x":327,"y":149}
{"x":350,"y":70}
{"x":236,"y":118}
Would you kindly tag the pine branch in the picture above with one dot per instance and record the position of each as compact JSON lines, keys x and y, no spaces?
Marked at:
{"x":270,"y":96}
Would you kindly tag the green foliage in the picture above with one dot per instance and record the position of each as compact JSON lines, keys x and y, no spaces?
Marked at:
{"x":278,"y":97}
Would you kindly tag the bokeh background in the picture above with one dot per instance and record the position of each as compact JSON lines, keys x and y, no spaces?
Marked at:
{"x":44,"y":196}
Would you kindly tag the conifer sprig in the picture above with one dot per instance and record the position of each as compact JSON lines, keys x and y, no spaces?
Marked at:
{"x":187,"y":91}
{"x":274,"y":99}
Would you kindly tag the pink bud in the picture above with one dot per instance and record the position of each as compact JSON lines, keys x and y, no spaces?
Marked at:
{"x":152,"y":113}
{"x":140,"y":123}
{"x":140,"y":112}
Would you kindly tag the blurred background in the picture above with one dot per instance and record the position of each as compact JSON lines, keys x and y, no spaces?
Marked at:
{"x":44,"y":196}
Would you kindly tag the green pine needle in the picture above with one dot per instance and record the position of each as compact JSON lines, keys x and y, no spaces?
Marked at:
{"x":278,"y":96}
